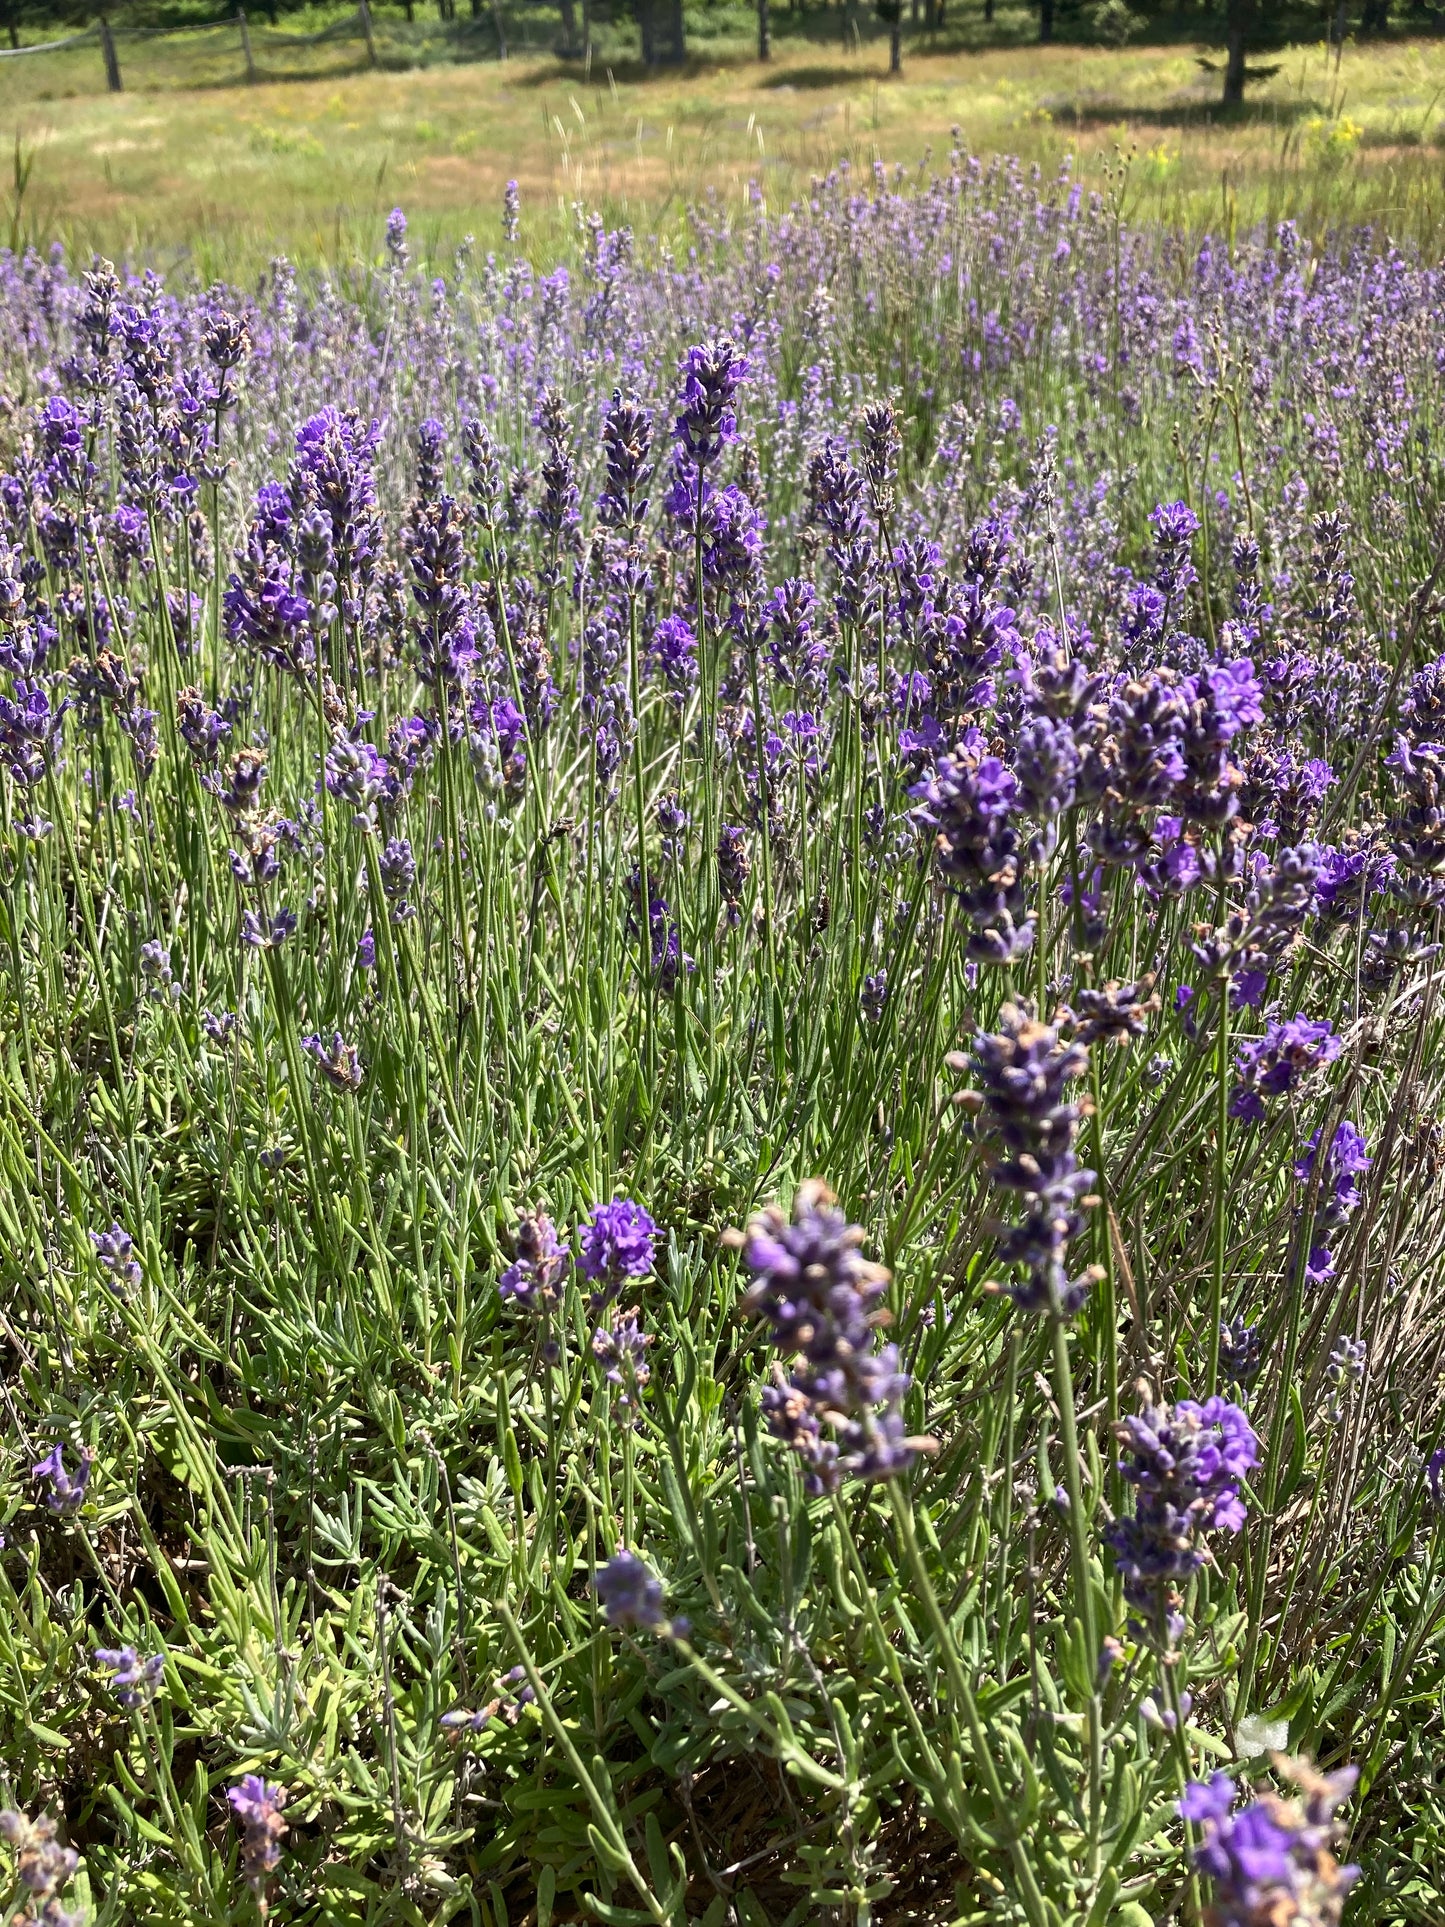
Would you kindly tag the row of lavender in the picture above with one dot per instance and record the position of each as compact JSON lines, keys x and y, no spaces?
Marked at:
{"x":502,"y":753}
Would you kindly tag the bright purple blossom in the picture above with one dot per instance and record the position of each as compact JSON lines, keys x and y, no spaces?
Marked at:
{"x":1268,"y":1066}
{"x":1187,"y":1463}
{"x":619,"y":1241}
{"x":1270,"y":1862}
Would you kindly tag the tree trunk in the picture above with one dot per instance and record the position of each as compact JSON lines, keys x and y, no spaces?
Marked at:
{"x":679,"y":34}
{"x":930,"y":14}
{"x":107,"y":51}
{"x":765,"y":31}
{"x":988,"y":13}
{"x":569,"y":29}
{"x":644,"y":28}
{"x":895,"y":47}
{"x":1046,"y":22}
{"x":1376,"y":17}
{"x":1237,"y":22}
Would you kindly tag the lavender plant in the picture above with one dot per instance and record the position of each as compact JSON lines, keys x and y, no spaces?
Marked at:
{"x":508,"y":775}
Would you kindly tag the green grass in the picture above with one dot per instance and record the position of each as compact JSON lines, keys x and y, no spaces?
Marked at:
{"x":225,"y":175}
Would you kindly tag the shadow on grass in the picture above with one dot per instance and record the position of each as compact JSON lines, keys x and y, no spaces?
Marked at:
{"x":1176,"y":114}
{"x":817,"y":77}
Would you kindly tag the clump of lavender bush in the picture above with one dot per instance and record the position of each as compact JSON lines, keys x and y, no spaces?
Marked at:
{"x":510,"y":775}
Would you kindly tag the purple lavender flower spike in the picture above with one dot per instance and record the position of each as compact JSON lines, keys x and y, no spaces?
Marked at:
{"x":338,"y":1062}
{"x":1337,"y":1196}
{"x":1187,"y":1463}
{"x":1175,"y":526}
{"x":674,"y":650}
{"x":712,"y":374}
{"x":840,"y":1407}
{"x":133,"y":1680}
{"x":1031,"y":1126}
{"x":619,"y":1241}
{"x":626,"y":446}
{"x":257,"y":1806}
{"x":1269,"y":1066}
{"x":630,"y":1596}
{"x":968,"y":803}
{"x":1270,"y":1861}
{"x":115,"y":1254}
{"x":64,"y":1494}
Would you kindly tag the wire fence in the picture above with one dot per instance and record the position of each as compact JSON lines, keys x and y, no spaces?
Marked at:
{"x":238,"y":49}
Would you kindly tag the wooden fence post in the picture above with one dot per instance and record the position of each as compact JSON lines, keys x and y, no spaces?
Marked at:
{"x":107,"y":49}
{"x":242,"y":23}
{"x":364,"y":14}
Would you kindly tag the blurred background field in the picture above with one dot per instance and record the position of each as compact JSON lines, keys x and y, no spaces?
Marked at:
{"x":191,"y":164}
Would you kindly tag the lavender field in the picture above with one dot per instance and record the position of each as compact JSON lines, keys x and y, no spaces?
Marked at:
{"x":720,"y":1077}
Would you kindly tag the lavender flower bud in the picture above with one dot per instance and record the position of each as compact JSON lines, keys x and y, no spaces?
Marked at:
{"x":115,"y":1254}
{"x":338,"y":1062}
{"x":631,"y":1597}
{"x":133,"y":1680}
{"x":63,"y":1494}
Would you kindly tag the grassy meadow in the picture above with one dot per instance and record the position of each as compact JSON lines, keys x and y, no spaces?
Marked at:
{"x":187,"y":162}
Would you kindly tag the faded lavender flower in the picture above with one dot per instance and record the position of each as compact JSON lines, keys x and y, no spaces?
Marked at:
{"x":257,"y":1806}
{"x":533,"y":1280}
{"x":42,"y":1864}
{"x":734,"y":866}
{"x":620,"y":1348}
{"x":1116,"y":1014}
{"x":513,"y":1696}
